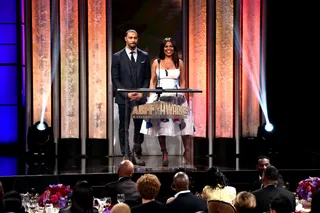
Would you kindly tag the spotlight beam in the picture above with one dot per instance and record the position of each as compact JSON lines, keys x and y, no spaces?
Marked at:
{"x":260,"y":92}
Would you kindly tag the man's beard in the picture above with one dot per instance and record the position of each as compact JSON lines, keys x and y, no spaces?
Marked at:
{"x":133,"y":45}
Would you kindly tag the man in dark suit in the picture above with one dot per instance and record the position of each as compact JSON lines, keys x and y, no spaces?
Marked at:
{"x":184,"y":201}
{"x":124,"y":185}
{"x":265,"y":195}
{"x":130,"y":69}
{"x":262,"y":164}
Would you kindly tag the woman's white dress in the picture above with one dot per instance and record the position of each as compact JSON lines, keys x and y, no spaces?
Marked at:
{"x":168,"y":79}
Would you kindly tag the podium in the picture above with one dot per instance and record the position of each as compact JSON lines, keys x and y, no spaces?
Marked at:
{"x":163,"y":108}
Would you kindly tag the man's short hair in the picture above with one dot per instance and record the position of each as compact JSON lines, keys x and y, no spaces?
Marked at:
{"x":131,"y":31}
{"x":262,"y":157}
{"x":271,"y":173}
{"x":281,"y":203}
{"x":148,"y":186}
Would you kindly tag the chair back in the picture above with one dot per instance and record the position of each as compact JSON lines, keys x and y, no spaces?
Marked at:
{"x":218,"y":206}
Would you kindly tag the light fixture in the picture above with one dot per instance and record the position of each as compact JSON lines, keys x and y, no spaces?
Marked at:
{"x":268,"y":127}
{"x":265,"y":131}
{"x":41,"y":126}
{"x":40,"y":139}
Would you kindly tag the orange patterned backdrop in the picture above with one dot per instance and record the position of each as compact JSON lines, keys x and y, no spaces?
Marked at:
{"x":230,"y":41}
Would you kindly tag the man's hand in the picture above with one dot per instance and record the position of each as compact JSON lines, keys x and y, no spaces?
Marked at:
{"x":135,"y":96}
{"x":139,"y":95}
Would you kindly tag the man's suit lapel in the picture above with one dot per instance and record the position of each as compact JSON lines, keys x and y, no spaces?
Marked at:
{"x":126,"y":61}
{"x":138,"y":62}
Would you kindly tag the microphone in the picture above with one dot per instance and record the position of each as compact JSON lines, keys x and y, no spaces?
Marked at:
{"x":166,"y":72}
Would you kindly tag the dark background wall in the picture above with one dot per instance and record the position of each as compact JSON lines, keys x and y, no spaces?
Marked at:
{"x":153,"y":20}
{"x":292,"y":85}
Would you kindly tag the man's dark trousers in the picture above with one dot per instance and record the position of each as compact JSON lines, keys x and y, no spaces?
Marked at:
{"x":124,"y":118}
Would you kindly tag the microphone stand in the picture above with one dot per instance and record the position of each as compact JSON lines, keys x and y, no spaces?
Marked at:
{"x":158,"y":84}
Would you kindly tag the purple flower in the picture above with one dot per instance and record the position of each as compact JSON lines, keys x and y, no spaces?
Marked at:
{"x":307,"y":187}
{"x":62,"y":202}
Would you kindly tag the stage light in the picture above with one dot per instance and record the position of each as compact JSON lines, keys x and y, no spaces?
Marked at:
{"x":40,"y":139}
{"x":268,"y":127}
{"x":41,"y":126}
{"x":265,"y":131}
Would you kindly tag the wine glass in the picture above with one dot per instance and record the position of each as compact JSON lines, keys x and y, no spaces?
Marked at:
{"x":33,"y":205}
{"x":108,"y":202}
{"x":120,"y":198}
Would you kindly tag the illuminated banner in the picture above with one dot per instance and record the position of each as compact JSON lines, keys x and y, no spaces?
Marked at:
{"x":160,"y":109}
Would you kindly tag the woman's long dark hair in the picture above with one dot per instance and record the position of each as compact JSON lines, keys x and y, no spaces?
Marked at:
{"x":175,"y":56}
{"x":315,"y":202}
{"x":215,"y":178}
{"x":1,"y":191}
{"x":82,"y":198}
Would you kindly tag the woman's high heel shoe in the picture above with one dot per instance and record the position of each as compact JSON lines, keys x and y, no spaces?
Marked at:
{"x":165,"y":161}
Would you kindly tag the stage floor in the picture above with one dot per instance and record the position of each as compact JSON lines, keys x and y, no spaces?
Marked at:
{"x":106,"y":165}
{"x":24,"y":165}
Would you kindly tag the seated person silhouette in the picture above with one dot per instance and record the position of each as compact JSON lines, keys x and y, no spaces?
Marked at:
{"x":121,"y":208}
{"x":262,"y":164}
{"x":217,"y":187}
{"x":280,"y":204}
{"x":270,"y":179}
{"x":82,"y":199}
{"x":245,"y":202}
{"x":148,"y":186}
{"x":315,"y":202}
{"x":184,"y":200}
{"x":124,"y":185}
{"x":12,"y":202}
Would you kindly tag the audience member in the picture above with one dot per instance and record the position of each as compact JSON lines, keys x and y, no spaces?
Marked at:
{"x":121,"y":208}
{"x":262,"y":164}
{"x":81,"y":200}
{"x":184,"y":201}
{"x":315,"y":203}
{"x":1,"y":191}
{"x":1,"y":198}
{"x":245,"y":202}
{"x":148,"y":186}
{"x":124,"y":185}
{"x":12,"y":202}
{"x":217,"y":187}
{"x":270,"y":178}
{"x":280,"y":204}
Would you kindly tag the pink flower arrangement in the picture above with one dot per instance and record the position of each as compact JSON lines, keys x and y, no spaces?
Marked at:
{"x":307,"y":188}
{"x":58,"y":195}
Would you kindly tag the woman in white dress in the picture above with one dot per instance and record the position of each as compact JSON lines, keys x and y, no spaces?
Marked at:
{"x":168,"y":72}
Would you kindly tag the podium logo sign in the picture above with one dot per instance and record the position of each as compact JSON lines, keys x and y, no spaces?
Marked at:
{"x":160,"y":109}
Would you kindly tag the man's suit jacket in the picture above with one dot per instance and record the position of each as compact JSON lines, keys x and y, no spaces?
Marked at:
{"x":152,"y":206}
{"x":122,"y":76}
{"x":187,"y":203}
{"x":257,"y":184}
{"x":265,"y":195}
{"x":123,"y":186}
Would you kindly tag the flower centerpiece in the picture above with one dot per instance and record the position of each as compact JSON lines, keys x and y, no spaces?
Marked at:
{"x":307,"y":188}
{"x":57,"y":195}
